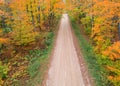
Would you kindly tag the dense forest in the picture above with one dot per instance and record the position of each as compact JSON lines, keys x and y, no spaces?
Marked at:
{"x":99,"y":20}
{"x":27,"y":29}
{"x":26,"y":33}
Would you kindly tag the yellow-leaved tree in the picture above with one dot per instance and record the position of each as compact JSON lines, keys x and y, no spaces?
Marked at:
{"x":23,"y":33}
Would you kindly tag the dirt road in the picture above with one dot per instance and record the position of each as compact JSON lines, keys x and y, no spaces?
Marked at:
{"x":65,"y":68}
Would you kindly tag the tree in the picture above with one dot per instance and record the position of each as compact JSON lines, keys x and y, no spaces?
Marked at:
{"x":101,"y":19}
{"x":22,"y":33}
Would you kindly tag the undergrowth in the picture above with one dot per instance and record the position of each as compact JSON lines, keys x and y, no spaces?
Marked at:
{"x":39,"y":62}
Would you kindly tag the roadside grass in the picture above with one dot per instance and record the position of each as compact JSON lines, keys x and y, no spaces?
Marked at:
{"x":96,"y":68}
{"x":39,"y":60}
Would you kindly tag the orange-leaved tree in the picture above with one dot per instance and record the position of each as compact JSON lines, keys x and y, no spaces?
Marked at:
{"x":106,"y":14}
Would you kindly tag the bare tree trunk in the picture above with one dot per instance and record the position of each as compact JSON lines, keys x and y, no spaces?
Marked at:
{"x":119,"y":30}
{"x":39,"y":16}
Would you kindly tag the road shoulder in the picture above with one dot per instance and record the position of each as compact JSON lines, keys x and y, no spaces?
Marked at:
{"x":84,"y":68}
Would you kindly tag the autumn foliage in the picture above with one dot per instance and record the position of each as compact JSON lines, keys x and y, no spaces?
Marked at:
{"x":24,"y":26}
{"x":100,"y":21}
{"x":113,"y":51}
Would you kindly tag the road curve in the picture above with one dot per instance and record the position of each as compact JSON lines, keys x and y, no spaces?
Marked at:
{"x":65,"y":69}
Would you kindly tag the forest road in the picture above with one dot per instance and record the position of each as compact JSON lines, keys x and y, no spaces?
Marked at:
{"x":65,"y":68}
